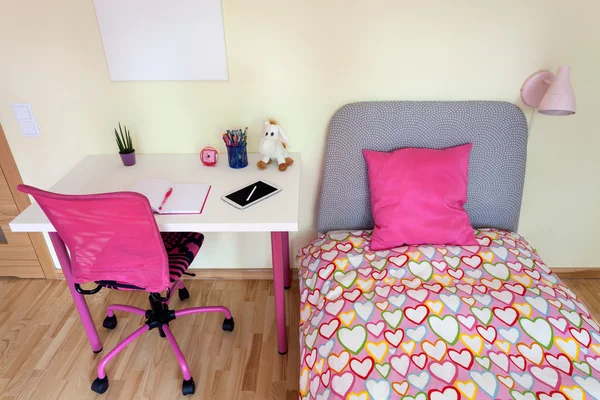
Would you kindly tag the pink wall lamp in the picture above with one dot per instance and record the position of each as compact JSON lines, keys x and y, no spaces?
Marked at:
{"x":550,"y":94}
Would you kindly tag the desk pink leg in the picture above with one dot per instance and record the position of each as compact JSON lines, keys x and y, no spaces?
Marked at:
{"x":277,"y":252}
{"x":80,"y":304}
{"x":285,"y":244}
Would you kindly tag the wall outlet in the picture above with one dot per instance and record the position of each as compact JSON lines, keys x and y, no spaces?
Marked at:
{"x":26,"y":119}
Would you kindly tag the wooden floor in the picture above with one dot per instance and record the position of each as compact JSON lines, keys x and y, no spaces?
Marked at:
{"x":44,"y":353}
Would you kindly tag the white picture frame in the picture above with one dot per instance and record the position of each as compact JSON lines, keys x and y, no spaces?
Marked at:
{"x":163,"y":40}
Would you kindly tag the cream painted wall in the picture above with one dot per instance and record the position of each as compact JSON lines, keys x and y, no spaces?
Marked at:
{"x":300,"y":61}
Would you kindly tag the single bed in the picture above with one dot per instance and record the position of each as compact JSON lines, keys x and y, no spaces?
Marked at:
{"x":489,"y":321}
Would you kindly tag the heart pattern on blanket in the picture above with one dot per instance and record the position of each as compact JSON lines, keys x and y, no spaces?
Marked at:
{"x":489,"y":321}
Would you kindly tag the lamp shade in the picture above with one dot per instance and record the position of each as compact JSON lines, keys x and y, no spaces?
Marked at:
{"x":560,"y":97}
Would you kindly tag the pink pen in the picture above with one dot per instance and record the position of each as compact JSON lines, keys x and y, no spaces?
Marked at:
{"x":165,"y":199}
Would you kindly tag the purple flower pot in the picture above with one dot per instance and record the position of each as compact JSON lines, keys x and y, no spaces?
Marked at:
{"x":128,"y":159}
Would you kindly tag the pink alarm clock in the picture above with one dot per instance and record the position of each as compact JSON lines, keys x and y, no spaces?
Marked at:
{"x":209,"y":156}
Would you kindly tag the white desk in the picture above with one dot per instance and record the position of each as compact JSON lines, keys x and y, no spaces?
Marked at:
{"x":106,"y":173}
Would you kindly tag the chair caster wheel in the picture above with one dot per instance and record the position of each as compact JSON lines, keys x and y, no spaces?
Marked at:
{"x":183,"y":294}
{"x":228,"y":324}
{"x":161,"y":333}
{"x":110,"y":322}
{"x":188,"y":387}
{"x":100,"y":385}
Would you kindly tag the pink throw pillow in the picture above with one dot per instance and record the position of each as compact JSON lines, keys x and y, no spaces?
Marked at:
{"x":418,"y":195}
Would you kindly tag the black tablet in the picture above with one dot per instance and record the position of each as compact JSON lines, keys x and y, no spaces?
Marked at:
{"x":251,"y":194}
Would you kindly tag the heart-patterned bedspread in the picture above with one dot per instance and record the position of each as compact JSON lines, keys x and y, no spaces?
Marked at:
{"x":441,"y":322}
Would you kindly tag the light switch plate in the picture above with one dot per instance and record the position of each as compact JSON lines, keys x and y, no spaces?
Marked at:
{"x":26,"y":119}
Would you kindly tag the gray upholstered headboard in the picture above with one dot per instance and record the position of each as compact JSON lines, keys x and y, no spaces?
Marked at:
{"x":498,"y":131}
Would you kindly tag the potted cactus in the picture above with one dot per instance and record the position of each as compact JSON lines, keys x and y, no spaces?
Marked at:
{"x":126,"y":150}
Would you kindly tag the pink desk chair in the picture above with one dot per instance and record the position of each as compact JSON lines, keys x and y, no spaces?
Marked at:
{"x":114,"y":241}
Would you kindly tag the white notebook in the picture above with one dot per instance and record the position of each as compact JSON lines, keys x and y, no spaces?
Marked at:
{"x":186,"y":198}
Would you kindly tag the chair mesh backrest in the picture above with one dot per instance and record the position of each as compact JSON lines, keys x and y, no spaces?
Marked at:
{"x":110,"y":236}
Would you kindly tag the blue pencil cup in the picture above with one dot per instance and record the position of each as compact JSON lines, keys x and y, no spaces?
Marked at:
{"x":237,"y":156}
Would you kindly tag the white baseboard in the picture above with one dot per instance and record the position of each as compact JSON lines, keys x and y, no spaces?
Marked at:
{"x":223,"y":273}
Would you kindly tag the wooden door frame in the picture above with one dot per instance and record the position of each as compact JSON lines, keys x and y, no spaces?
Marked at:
{"x":13,"y":177}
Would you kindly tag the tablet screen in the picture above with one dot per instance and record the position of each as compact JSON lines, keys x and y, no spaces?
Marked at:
{"x":240,"y":197}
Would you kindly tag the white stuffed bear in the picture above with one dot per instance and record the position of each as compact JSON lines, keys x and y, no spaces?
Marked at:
{"x":271,"y":147}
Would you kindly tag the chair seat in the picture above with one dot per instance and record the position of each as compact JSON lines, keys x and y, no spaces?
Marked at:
{"x":181,"y":248}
